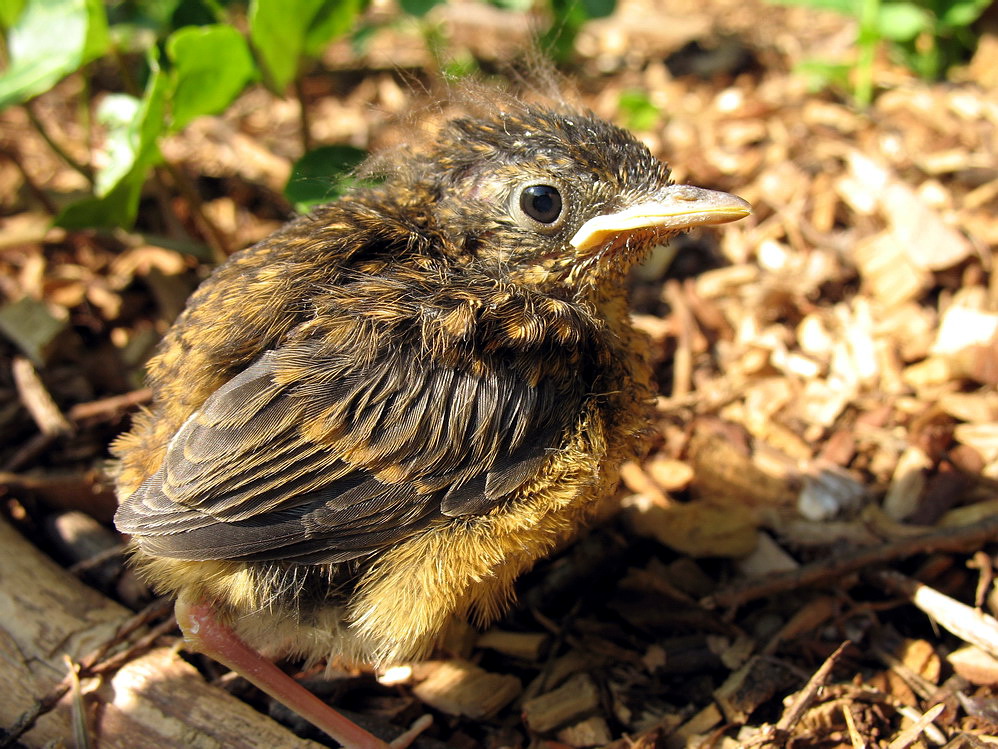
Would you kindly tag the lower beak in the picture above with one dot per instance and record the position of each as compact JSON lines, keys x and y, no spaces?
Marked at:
{"x":673,"y":209}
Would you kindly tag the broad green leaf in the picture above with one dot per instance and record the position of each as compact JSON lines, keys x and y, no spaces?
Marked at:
{"x":196,"y":12}
{"x":138,"y":25}
{"x":820,"y":74}
{"x":322,"y":175}
{"x":334,"y":19}
{"x":926,"y":63}
{"x":599,"y":8}
{"x":211,"y":66}
{"x":132,"y":148}
{"x":901,"y":22}
{"x":31,"y":326}
{"x":514,"y":5}
{"x":277,"y":31}
{"x":461,"y":66}
{"x":10,"y":11}
{"x":117,"y":208}
{"x":50,"y":40}
{"x":638,"y":110}
{"x":155,"y":15}
{"x":846,"y":7}
{"x":117,"y":113}
{"x":418,"y":8}
{"x":361,"y":37}
{"x":963,"y":13}
{"x":559,"y":40}
{"x":152,"y":117}
{"x":284,"y":31}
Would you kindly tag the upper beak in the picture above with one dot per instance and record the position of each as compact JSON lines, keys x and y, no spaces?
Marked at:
{"x":675,"y":207}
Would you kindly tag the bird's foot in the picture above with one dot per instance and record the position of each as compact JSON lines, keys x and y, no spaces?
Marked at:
{"x":206,"y":634}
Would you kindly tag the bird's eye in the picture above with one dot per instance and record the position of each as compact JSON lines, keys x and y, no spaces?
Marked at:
{"x":542,"y":203}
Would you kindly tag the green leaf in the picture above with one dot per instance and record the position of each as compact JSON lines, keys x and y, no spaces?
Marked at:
{"x":333,"y":19}
{"x":514,"y":5}
{"x":559,"y":40}
{"x":461,"y":66}
{"x":820,"y":74}
{"x":322,"y":175}
{"x":138,"y":25}
{"x":902,"y":22}
{"x":846,"y":7}
{"x":117,"y":113}
{"x":31,"y":326}
{"x":117,"y":208}
{"x":418,"y":8}
{"x":277,"y":31}
{"x":283,"y":31}
{"x":599,"y":8}
{"x":196,"y":12}
{"x":51,"y":39}
{"x":134,"y":127}
{"x":10,"y":11}
{"x":211,"y":67}
{"x":962,"y":14}
{"x":154,"y":15}
{"x":638,"y":110}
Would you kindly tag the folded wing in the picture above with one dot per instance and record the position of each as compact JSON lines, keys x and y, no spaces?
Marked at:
{"x":315,"y":458}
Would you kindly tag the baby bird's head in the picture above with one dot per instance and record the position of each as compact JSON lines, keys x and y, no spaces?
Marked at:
{"x":554,"y":198}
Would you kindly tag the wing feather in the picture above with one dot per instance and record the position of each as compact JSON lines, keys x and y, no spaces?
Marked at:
{"x":311,"y":456}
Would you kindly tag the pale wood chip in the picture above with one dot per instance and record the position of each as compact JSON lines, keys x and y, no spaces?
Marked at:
{"x":975,"y":665}
{"x":525,"y":645}
{"x":592,"y":731}
{"x":572,"y":700}
{"x":462,"y":688}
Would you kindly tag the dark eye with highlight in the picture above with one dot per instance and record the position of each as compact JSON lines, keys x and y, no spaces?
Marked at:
{"x":542,"y":203}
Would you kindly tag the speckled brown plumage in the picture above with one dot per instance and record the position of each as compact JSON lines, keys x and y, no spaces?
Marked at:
{"x":378,"y":417}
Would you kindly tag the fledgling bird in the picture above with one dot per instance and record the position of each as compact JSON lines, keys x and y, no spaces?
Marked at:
{"x":375,"y":419}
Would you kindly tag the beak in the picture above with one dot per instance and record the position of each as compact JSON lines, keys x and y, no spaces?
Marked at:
{"x":674,"y":208}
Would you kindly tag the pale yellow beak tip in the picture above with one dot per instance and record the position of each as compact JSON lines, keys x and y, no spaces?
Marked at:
{"x":674,"y":208}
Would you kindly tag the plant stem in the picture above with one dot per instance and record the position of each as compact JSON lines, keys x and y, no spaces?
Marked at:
{"x":869,"y":38}
{"x":216,"y":10}
{"x":127,"y":77}
{"x":32,"y":186}
{"x":303,"y":120}
{"x":59,"y":151}
{"x":4,"y":51}
{"x":162,"y":195}
{"x":84,"y":113}
{"x":213,"y":235}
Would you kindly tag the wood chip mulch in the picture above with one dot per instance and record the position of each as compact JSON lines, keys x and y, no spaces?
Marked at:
{"x":805,"y":559}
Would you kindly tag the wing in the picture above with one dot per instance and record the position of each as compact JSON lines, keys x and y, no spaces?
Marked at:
{"x":318,"y":459}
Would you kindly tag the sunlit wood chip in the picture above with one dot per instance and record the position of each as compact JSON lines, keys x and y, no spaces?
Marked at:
{"x":526,"y":645}
{"x":935,"y":370}
{"x":814,"y":337}
{"x":982,"y":437}
{"x":574,"y":699}
{"x":889,"y":274}
{"x":906,"y":487}
{"x":462,"y":688}
{"x":829,"y":492}
{"x":702,"y":722}
{"x":767,"y":558}
{"x":979,"y":408}
{"x":670,"y":475}
{"x":700,"y":529}
{"x":592,"y":731}
{"x":962,"y":327}
{"x":974,"y":665}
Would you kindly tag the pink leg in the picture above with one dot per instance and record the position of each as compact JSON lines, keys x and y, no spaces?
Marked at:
{"x":205,"y":633}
